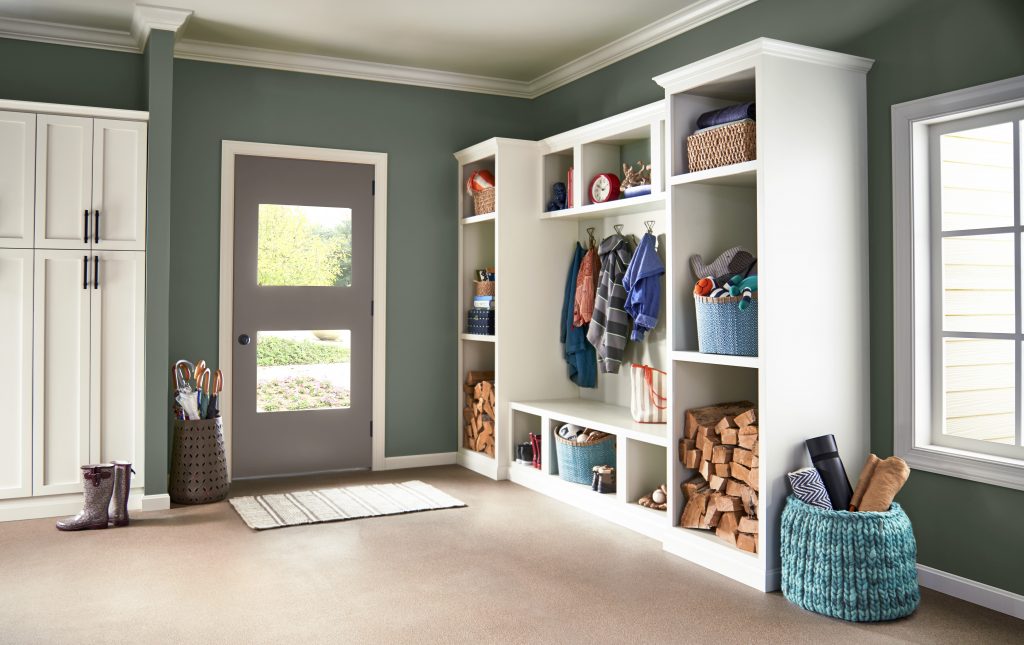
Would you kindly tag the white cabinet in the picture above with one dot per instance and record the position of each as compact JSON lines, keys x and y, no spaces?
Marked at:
{"x":63,"y":182}
{"x":16,"y":377}
{"x":119,"y":185}
{"x":72,"y":298}
{"x":90,"y":183}
{"x":17,"y":178}
{"x":117,"y":297}
{"x":61,"y":343}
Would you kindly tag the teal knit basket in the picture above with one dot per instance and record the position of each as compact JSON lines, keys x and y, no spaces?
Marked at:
{"x":855,"y":566}
{"x":576,"y":461}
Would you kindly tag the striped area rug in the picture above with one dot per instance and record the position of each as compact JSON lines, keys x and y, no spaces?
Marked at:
{"x":337,"y":504}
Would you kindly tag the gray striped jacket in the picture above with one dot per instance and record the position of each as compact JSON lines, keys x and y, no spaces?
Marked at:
{"x":609,"y":327}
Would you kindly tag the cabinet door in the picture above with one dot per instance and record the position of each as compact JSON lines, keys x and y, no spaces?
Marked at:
{"x":61,"y":366}
{"x":118,"y":291}
{"x":119,"y":185}
{"x":63,"y":182}
{"x":17,"y":178}
{"x":16,"y":377}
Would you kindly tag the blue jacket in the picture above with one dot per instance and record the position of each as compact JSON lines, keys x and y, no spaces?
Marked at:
{"x":579,"y":353}
{"x":643,"y":286}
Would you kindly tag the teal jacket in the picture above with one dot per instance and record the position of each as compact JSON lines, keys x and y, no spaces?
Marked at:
{"x":578,"y":351}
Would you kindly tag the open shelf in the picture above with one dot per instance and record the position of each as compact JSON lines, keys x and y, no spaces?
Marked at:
{"x":483,"y":338}
{"x":753,"y":362}
{"x":641,"y":204}
{"x":596,"y":415}
{"x":475,"y":219}
{"x":737,"y":174}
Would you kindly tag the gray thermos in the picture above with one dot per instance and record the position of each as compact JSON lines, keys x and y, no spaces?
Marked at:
{"x":825,"y":457}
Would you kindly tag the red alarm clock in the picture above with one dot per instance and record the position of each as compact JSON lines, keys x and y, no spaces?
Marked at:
{"x":604,"y":188}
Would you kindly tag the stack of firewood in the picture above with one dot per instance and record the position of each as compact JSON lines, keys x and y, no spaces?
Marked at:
{"x":479,"y":415}
{"x":720,"y":442}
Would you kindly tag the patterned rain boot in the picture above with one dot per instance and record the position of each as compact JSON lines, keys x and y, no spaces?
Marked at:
{"x":99,"y":486}
{"x":119,"y":500}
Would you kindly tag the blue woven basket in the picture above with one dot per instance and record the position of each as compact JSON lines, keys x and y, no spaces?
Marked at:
{"x":723,"y":329}
{"x":576,"y":461}
{"x":855,"y":566}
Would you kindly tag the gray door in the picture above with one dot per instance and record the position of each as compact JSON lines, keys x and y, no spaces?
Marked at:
{"x":303,"y":276}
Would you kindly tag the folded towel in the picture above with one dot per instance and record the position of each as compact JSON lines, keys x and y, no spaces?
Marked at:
{"x":727,"y":115}
{"x":889,"y":476}
{"x":808,"y":488}
{"x":865,"y":477}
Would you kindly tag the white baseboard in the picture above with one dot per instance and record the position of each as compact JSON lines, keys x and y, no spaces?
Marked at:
{"x":155,"y":502}
{"x":33,"y":508}
{"x":419,"y":461}
{"x":987,"y":596}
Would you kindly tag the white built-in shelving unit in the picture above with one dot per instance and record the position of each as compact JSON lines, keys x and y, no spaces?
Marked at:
{"x":800,"y":206}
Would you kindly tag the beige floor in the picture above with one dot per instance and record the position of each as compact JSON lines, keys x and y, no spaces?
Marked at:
{"x":514,"y":567}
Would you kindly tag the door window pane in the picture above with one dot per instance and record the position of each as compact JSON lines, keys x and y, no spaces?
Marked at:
{"x":978,"y":384}
{"x":978,"y":284}
{"x":303,"y":370}
{"x":977,"y":178}
{"x":304,"y":246}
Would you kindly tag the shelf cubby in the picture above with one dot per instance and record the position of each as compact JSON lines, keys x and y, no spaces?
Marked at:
{"x":555,"y":168}
{"x":711,"y":218}
{"x":485,"y":163}
{"x":687,"y":105}
{"x":644,"y":469}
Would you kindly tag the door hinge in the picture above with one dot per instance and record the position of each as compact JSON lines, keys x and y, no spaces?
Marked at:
{"x":373,"y":186}
{"x":371,"y":427}
{"x":371,"y":307}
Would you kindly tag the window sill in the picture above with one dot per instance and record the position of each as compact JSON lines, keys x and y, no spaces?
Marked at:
{"x":964,"y":464}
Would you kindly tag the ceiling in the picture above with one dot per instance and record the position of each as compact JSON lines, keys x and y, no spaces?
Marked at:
{"x":514,"y":41}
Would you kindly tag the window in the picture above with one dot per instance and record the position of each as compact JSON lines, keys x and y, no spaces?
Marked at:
{"x":304,"y":246}
{"x":957,"y":176}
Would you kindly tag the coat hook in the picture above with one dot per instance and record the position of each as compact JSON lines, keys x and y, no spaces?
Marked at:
{"x":650,"y":226}
{"x":618,"y":228}
{"x":590,"y":234}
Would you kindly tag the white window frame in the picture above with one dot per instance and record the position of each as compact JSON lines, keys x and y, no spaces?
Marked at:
{"x":917,"y":334}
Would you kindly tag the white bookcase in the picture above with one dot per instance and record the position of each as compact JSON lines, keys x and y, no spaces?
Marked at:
{"x":801,"y":206}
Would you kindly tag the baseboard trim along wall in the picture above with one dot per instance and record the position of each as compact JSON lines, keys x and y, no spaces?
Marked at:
{"x":419,"y":461}
{"x":156,"y":502}
{"x":981,"y":594}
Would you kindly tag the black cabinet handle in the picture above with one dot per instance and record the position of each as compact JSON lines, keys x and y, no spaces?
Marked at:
{"x":85,"y":238}
{"x":96,"y":272}
{"x":96,"y":228}
{"x":85,"y":271}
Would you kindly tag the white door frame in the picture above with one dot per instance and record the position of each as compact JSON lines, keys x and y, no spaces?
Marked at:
{"x":379,"y":161}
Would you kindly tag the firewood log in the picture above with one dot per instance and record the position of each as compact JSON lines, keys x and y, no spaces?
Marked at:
{"x":746,"y":542}
{"x":748,"y":525}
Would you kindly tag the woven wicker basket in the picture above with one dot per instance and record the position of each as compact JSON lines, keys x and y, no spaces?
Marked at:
{"x":723,"y":329}
{"x":723,"y":145}
{"x":483,"y":288}
{"x":483,"y":201}
{"x":854,"y":566}
{"x":576,"y":461}
{"x":199,"y":467}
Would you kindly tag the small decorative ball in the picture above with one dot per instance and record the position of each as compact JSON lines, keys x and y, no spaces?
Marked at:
{"x":658,"y":497}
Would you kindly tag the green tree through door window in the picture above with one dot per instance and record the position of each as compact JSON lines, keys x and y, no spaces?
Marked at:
{"x":304,"y":246}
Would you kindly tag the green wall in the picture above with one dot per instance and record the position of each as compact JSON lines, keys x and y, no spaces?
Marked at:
{"x":73,"y":75}
{"x":419,"y":129}
{"x":920,"y":48}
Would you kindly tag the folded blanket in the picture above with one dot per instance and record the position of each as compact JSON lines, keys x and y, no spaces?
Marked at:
{"x":808,"y":488}
{"x":726,"y":115}
{"x":865,"y":479}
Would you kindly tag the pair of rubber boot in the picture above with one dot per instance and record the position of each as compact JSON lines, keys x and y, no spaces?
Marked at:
{"x":106,"y":497}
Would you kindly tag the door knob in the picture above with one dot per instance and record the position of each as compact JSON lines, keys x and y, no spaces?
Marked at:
{"x":244,"y":339}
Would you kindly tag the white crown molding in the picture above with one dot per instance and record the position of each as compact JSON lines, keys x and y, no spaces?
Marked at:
{"x":147,"y":17}
{"x":659,"y":31}
{"x":348,"y":68}
{"x":58,"y":34}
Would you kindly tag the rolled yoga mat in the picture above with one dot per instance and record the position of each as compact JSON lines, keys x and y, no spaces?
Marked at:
{"x":825,"y":457}
{"x":887,"y":480}
{"x":865,"y":478}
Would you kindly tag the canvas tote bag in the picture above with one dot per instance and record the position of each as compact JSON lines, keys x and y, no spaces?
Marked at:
{"x":648,"y":401}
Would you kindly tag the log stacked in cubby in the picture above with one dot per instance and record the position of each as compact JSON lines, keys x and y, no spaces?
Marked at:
{"x":479,"y":415}
{"x":720,"y":442}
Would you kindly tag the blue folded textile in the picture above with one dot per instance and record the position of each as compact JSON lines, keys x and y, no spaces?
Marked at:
{"x":726,"y":115}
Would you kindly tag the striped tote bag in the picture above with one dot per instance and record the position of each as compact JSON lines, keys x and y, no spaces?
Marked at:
{"x":648,"y":401}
